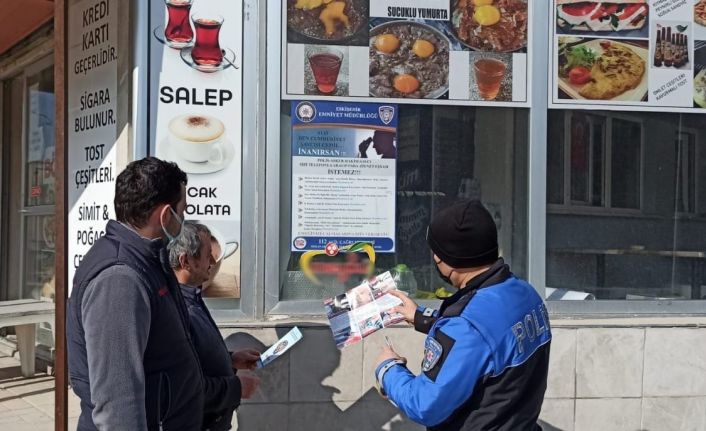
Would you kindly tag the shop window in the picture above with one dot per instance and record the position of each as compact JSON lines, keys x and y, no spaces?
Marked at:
{"x":594,"y":161}
{"x":630,"y":219}
{"x":443,"y":154}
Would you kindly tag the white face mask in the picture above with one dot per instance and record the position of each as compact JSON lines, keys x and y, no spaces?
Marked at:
{"x":171,"y":237}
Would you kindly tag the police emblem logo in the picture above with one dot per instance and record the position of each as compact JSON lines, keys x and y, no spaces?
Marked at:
{"x":387,"y":114}
{"x":432,"y":354}
{"x":306,"y":112}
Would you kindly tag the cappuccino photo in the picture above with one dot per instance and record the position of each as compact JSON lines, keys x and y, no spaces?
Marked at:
{"x":198,"y":138}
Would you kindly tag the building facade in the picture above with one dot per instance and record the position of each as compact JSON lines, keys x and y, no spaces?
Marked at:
{"x":600,"y":201}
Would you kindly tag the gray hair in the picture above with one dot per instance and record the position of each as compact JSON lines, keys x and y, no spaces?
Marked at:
{"x":188,"y":243}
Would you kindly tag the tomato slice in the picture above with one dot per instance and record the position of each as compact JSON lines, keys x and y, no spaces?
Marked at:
{"x":579,"y":75}
{"x":579,"y":9}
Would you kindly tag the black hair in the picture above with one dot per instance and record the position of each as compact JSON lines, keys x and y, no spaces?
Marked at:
{"x":143,"y":186}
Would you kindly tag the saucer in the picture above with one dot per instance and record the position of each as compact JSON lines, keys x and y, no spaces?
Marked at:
{"x":166,"y":152}
{"x":158,"y":33}
{"x":228,"y":60}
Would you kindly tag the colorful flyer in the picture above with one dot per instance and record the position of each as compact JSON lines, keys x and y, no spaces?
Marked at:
{"x":344,"y":164}
{"x":365,"y":309}
{"x":441,"y":51}
{"x":645,"y":55}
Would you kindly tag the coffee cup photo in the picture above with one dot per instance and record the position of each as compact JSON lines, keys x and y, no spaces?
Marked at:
{"x":198,"y":138}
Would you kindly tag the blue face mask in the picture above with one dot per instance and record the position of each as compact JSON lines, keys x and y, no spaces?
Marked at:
{"x":171,"y":237}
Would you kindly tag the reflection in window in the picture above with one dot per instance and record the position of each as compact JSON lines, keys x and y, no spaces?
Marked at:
{"x":641,"y":236}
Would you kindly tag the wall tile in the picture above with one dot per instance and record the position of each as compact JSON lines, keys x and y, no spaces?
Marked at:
{"x":674,"y":362}
{"x":609,"y":362}
{"x":274,"y":380}
{"x":557,"y":414}
{"x":677,"y":414}
{"x":617,"y":414}
{"x":319,"y":371}
{"x":407,"y":342}
{"x":262,"y":417}
{"x":562,"y":364}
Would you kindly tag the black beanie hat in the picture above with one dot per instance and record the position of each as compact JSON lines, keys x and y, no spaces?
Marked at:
{"x":464,"y":235}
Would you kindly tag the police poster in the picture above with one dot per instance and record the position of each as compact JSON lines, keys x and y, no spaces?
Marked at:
{"x":455,"y":52}
{"x":344,"y":164}
{"x":647,"y":55}
{"x":196,"y":118}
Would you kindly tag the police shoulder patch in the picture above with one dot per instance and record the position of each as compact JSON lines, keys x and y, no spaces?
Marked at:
{"x":432,"y":353}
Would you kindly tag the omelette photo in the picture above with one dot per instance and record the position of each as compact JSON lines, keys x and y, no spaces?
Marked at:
{"x":604,"y":70}
{"x":616,"y":71}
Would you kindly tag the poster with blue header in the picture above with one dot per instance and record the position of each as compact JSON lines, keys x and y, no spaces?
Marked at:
{"x":344,"y":166}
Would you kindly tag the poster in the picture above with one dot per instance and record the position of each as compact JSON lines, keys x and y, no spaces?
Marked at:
{"x":92,"y":123}
{"x":344,"y":165}
{"x":401,"y":51}
{"x":196,"y":118}
{"x":647,"y":55}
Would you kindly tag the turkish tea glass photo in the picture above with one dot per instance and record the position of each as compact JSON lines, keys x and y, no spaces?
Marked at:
{"x":489,"y":74}
{"x":207,"y":51}
{"x":325,"y":64}
{"x":178,"y":32}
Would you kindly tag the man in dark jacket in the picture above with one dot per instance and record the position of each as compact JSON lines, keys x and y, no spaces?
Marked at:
{"x":486,"y":355}
{"x":131,"y":359}
{"x":191,"y":258}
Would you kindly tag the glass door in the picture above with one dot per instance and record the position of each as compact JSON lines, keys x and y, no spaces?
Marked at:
{"x":38,"y":198}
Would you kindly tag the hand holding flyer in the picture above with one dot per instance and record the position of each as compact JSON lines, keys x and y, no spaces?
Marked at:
{"x":363,"y":310}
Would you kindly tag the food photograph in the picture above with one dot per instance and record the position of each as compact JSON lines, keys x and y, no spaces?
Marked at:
{"x":327,"y":22}
{"x":491,"y":76}
{"x":491,"y":25}
{"x":408,"y":60}
{"x":700,"y":19}
{"x":671,"y":45}
{"x":602,"y":69}
{"x":700,"y":74}
{"x":619,"y":18}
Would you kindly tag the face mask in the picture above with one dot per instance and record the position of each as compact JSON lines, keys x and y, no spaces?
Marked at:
{"x":171,"y":237}
{"x":445,"y":278}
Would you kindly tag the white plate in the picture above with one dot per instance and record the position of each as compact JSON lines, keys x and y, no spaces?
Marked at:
{"x":634,"y":95}
{"x":166,"y":152}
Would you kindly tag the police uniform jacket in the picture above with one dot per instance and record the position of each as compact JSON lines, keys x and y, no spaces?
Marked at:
{"x":485,"y":360}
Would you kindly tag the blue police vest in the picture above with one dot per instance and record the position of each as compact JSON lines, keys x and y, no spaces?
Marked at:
{"x":486,"y":359}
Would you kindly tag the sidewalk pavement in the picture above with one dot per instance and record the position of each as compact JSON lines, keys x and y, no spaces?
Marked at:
{"x":27,"y":404}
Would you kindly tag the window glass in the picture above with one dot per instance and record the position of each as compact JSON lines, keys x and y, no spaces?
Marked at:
{"x":444,"y":154}
{"x":38,"y":212}
{"x":40,"y":139}
{"x":640,"y":236}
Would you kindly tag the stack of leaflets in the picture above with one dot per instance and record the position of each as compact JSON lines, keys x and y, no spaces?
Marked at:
{"x":363,"y":310}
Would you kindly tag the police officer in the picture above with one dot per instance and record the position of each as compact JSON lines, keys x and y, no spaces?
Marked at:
{"x":486,"y":354}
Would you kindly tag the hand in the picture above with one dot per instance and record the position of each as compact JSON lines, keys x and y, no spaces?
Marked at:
{"x":408,"y":307}
{"x":245,"y":359}
{"x":248,"y":385}
{"x":388,"y":353}
{"x":363,"y":146}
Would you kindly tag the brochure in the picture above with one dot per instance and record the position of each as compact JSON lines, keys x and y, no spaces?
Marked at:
{"x":282,"y":345}
{"x":363,"y":310}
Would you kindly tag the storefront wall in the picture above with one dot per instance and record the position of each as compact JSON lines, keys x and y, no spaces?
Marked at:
{"x":617,"y":363}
